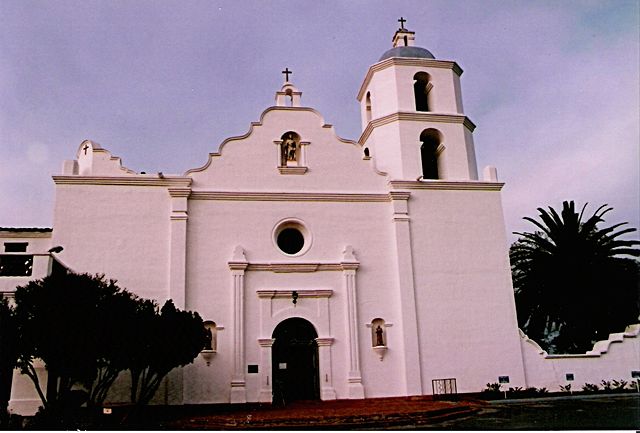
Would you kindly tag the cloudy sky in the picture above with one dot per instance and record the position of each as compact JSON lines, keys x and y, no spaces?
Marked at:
{"x":553,"y":86}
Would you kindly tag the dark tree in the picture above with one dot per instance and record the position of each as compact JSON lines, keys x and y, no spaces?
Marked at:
{"x":8,"y":355}
{"x":573,"y":284}
{"x":163,"y":341}
{"x":87,"y":330}
{"x":64,"y":320}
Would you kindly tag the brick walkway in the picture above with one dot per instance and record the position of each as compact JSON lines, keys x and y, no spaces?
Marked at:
{"x":339,"y":414}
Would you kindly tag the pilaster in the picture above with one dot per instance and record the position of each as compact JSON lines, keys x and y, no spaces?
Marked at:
{"x":178,"y":252}
{"x":266,"y":387}
{"x":327,"y":391}
{"x":349,"y":266}
{"x":412,"y":367}
{"x":238,"y":265}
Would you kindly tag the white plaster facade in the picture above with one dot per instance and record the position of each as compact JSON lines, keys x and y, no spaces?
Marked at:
{"x":426,"y":258}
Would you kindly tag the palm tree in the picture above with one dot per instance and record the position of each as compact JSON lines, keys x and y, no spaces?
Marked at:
{"x":574,"y":282}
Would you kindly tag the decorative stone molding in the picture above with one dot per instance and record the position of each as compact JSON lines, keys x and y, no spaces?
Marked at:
{"x":414,"y":116}
{"x":288,"y":196}
{"x":207,"y":355}
{"x":450,"y":185}
{"x":266,"y":342}
{"x":380,"y":351}
{"x":298,"y":267}
{"x":292,"y":170}
{"x":303,"y":293}
{"x":179,"y":192}
{"x":137,"y":180}
{"x":325,"y":341}
{"x":403,"y":61}
{"x":238,"y":260}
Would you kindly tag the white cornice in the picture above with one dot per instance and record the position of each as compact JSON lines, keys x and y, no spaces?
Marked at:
{"x":414,"y":116}
{"x":166,"y":181}
{"x":405,"y":61}
{"x":447,"y":185}
{"x":288,"y":196}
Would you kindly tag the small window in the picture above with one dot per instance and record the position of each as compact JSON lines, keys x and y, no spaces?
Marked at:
{"x":16,"y":265}
{"x":569,"y":376}
{"x":368,"y":106}
{"x":252,"y":368}
{"x":15,"y":247}
{"x":366,"y":152}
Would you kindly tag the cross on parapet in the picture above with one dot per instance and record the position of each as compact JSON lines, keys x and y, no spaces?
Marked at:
{"x":286,"y":73}
{"x":402,"y":21}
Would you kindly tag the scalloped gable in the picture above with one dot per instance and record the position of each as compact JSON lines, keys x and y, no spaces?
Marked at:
{"x":93,"y":160}
{"x":251,"y":161}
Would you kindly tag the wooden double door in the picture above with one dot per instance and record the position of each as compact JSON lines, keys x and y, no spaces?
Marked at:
{"x":295,"y":361}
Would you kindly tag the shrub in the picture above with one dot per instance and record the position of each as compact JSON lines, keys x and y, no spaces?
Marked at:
{"x":565,"y":388}
{"x":590,"y":387}
{"x":619,"y":385}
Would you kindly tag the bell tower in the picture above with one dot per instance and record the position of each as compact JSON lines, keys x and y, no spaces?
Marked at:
{"x":413,"y":121}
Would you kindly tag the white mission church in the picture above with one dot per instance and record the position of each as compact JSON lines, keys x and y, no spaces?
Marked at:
{"x":326,"y":268}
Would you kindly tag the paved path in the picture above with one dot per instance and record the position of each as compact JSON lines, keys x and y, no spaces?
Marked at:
{"x":340,"y":414}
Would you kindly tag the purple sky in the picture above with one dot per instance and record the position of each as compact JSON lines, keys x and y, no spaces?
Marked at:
{"x":553,"y":86}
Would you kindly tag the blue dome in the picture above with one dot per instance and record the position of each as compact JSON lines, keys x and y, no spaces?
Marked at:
{"x":415,"y":52}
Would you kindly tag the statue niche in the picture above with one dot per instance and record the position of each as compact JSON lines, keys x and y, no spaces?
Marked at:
{"x":290,"y":150}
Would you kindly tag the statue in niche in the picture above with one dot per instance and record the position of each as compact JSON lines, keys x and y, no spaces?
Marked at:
{"x":289,"y":147}
{"x":379,"y":339}
{"x":209,"y":339}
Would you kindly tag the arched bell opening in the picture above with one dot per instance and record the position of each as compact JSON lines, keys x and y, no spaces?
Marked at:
{"x":368,"y":106}
{"x":422,"y":91}
{"x":431,"y":140}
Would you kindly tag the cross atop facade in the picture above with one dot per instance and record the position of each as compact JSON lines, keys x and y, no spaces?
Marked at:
{"x":286,"y":73}
{"x":86,"y":146}
{"x":402,"y":21}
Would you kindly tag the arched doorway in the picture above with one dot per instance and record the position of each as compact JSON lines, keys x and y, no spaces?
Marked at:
{"x":294,"y":360}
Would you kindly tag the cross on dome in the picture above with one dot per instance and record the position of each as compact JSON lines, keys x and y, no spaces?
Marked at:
{"x":286,"y":73}
{"x":402,"y":21}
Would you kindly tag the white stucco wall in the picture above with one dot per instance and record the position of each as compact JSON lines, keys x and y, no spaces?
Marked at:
{"x":119,"y":230}
{"x":611,"y":359}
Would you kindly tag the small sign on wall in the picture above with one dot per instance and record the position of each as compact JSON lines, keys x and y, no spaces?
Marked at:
{"x":569,"y":377}
{"x":503,"y":379}
{"x":635,"y":374}
{"x":252,"y":368}
{"x":282,"y":366}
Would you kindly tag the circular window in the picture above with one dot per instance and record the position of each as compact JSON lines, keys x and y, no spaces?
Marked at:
{"x":292,"y":237}
{"x":290,"y":241}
